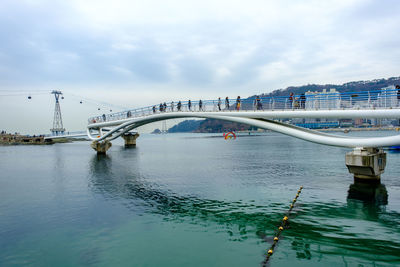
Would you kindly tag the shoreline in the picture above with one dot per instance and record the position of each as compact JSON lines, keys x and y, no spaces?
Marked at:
{"x":348,"y":129}
{"x":355,"y":129}
{"x":17,"y":139}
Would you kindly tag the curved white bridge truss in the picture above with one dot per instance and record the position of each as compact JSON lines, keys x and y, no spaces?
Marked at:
{"x":264,"y":120}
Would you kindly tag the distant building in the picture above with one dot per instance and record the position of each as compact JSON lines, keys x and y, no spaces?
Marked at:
{"x":387,"y":97}
{"x":319,"y":125}
{"x":384,"y":98}
{"x":320,"y":100}
{"x":358,"y":122}
{"x":323,"y":100}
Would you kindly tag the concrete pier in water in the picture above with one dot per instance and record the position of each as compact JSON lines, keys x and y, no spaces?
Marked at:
{"x":367,"y":164}
{"x":130,"y":139}
{"x":101,"y":147}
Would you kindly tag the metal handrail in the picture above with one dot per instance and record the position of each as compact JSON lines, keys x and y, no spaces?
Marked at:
{"x":386,"y":99}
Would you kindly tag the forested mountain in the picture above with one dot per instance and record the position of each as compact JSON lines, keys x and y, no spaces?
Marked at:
{"x":346,"y":87}
{"x":185,"y":126}
{"x":219,"y":126}
{"x":207,"y":126}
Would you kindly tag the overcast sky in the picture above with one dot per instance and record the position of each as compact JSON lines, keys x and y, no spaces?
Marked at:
{"x":139,"y":53}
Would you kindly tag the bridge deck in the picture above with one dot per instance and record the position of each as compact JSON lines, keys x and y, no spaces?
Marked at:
{"x":372,"y":104}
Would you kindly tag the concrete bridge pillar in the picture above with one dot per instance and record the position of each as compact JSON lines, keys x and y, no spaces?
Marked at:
{"x":130,"y":139}
{"x":367,"y":164}
{"x":101,"y":147}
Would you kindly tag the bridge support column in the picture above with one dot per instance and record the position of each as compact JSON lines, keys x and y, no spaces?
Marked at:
{"x":367,"y":164}
{"x":130,"y":139}
{"x":101,"y":147}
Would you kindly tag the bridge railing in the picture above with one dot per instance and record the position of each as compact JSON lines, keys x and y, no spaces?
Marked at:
{"x":388,"y":98}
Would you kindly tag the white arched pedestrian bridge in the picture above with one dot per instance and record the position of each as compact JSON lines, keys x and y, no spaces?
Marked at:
{"x":260,"y":119}
{"x":264,"y":113}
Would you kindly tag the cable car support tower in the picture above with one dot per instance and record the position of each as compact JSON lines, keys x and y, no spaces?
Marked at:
{"x":58,"y":128}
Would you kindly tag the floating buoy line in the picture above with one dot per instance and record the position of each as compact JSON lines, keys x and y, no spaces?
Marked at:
{"x":284,"y":222}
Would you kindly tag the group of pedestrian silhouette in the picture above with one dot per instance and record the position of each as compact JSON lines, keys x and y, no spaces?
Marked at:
{"x":163,"y":106}
{"x":295,"y":102}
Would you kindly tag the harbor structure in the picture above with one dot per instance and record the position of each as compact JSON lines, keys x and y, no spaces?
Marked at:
{"x":58,"y":128}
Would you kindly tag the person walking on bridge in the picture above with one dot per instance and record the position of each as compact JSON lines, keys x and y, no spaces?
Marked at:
{"x":398,"y":94}
{"x":227,"y":103}
{"x":200,"y":105}
{"x":238,"y":103}
{"x":179,"y":105}
{"x":172,"y":106}
{"x":154,"y":109}
{"x":190,"y":105}
{"x":303,"y":101}
{"x":291,"y":98}
{"x":219,"y":104}
{"x":258,"y":103}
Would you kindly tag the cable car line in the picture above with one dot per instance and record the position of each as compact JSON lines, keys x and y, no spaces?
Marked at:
{"x":82,"y":100}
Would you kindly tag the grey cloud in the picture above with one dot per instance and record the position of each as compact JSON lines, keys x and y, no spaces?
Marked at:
{"x":47,"y":42}
{"x":147,"y":62}
{"x":195,"y":71}
{"x":36,"y":46}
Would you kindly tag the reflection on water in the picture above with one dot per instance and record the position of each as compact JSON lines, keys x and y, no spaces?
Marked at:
{"x":369,"y":193}
{"x":237,"y":216}
{"x":314,"y":229}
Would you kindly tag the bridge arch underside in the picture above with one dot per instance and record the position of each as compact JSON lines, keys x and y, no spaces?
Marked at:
{"x":118,"y":128}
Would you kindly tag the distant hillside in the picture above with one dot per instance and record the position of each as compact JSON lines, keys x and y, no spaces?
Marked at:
{"x":156,"y":131}
{"x":218,"y":126}
{"x":185,"y":126}
{"x":358,"y":86}
{"x":207,"y":126}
